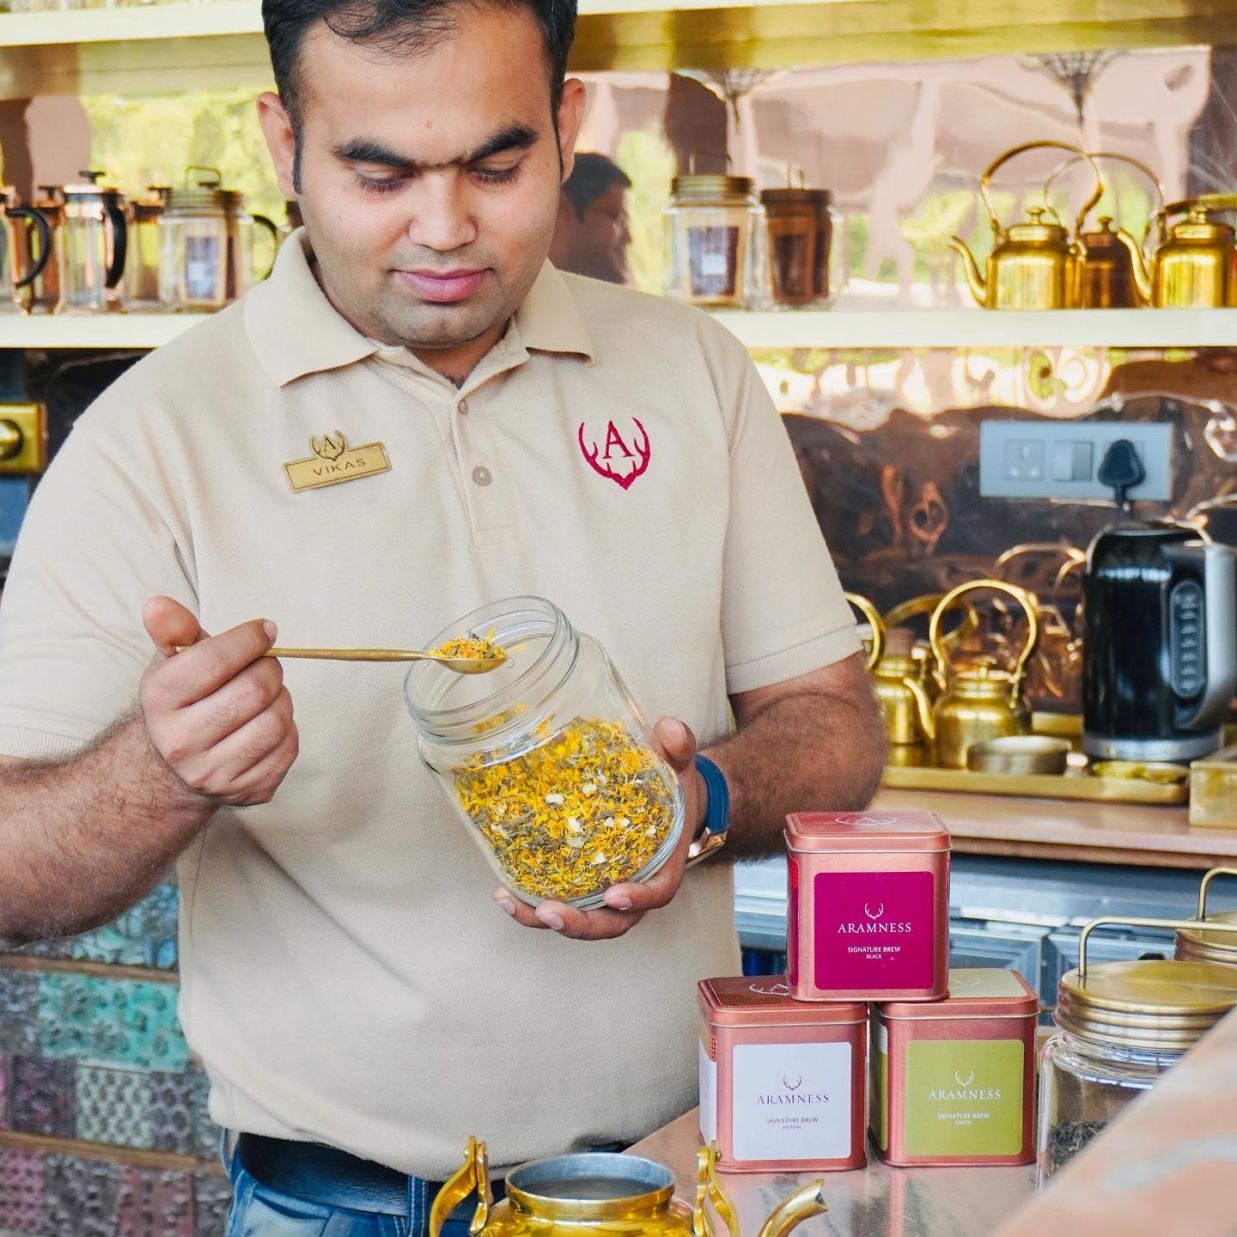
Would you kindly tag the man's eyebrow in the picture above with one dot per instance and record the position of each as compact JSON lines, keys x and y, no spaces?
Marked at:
{"x":365,"y":150}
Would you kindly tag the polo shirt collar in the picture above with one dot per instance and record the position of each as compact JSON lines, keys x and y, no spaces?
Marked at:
{"x":295,"y":330}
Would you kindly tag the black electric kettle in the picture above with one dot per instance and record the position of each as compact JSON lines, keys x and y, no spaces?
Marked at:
{"x":1159,"y":634}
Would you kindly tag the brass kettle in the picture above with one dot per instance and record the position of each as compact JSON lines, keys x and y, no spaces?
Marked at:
{"x":1033,"y":264}
{"x":896,"y":681}
{"x":1110,"y":275}
{"x":979,"y":701}
{"x":1193,"y":264}
{"x":603,"y":1195}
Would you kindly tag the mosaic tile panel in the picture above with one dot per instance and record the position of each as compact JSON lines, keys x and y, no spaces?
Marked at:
{"x":61,"y":947}
{"x":114,"y":1106}
{"x":212,"y":1197}
{"x":81,"y":1198}
{"x":206,"y":1133}
{"x":40,"y":1096}
{"x":145,"y":935}
{"x":4,"y":1090}
{"x":171,"y":1112}
{"x":21,"y":1191}
{"x":154,"y":1204}
{"x":118,"y":1022}
{"x":19,"y":1010}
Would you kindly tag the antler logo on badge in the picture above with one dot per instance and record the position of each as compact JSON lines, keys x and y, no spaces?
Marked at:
{"x":615,"y":457}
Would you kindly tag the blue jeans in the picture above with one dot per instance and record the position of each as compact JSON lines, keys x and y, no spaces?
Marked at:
{"x":259,"y":1211}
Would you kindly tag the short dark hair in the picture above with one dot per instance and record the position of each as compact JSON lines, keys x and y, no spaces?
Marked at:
{"x":399,"y":27}
{"x":592,"y":175}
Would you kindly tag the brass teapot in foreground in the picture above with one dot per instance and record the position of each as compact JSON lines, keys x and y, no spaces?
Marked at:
{"x":979,"y":701}
{"x":1034,"y":264}
{"x":614,"y":1195}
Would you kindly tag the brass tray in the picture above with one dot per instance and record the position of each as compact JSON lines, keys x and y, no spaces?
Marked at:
{"x":1072,"y":785}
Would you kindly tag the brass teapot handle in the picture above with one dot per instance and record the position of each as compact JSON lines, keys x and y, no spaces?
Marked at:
{"x":1112,"y":155}
{"x":1043,"y":143}
{"x":1028,"y":603}
{"x":877,"y":648}
{"x":472,"y":1176}
{"x":710,"y":1190}
{"x":925,"y":604}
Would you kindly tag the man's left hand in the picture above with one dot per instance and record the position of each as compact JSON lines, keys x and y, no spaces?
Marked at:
{"x":626,"y":904}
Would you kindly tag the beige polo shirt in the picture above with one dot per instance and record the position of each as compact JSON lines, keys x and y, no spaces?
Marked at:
{"x":345,"y":976}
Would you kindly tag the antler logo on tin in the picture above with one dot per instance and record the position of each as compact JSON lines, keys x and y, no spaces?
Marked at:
{"x":768,"y":989}
{"x":615,"y":455}
{"x":792,"y":1086}
{"x":873,"y":914}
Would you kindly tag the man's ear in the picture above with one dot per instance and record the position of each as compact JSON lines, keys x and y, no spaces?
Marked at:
{"x":570,"y":117}
{"x":280,"y":140}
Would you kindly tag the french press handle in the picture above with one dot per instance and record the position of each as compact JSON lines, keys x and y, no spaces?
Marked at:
{"x":120,"y":243}
{"x":44,"y":229}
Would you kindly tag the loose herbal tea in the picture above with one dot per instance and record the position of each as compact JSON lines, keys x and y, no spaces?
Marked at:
{"x":476,"y":648}
{"x":584,"y":809}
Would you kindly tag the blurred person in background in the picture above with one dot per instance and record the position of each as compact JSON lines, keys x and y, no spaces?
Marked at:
{"x":591,"y":236}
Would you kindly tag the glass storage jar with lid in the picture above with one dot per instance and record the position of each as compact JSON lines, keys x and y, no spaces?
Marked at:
{"x":193,"y":249}
{"x":547,"y":759}
{"x":242,"y":265}
{"x":1120,"y":1025}
{"x":1199,"y":941}
{"x":142,"y":260}
{"x":711,"y":225}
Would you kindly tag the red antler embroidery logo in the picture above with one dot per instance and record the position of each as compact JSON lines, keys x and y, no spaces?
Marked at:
{"x":614,"y":458}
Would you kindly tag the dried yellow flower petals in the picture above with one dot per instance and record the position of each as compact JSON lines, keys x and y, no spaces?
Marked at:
{"x":472,"y":647}
{"x":587,"y":808}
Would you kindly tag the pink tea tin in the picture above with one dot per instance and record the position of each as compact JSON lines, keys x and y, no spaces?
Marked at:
{"x":953,"y":1081}
{"x":782,"y":1084}
{"x":869,"y":906}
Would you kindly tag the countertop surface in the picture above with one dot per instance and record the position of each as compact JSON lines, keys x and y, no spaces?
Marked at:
{"x":876,"y":1201}
{"x":1075,"y":830}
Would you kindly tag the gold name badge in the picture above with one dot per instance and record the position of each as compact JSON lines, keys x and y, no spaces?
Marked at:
{"x":334,"y":461}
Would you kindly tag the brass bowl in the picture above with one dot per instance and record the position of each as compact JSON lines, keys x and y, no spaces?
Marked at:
{"x":1018,"y":755}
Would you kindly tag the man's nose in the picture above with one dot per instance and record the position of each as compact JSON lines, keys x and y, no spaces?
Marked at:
{"x":442,"y":219}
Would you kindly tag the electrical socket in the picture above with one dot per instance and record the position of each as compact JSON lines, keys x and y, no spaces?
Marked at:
{"x":1059,"y":459}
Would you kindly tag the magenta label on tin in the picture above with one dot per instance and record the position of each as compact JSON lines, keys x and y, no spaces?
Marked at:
{"x":874,"y":930}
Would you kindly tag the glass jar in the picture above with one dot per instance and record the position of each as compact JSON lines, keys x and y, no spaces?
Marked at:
{"x":792,"y":221}
{"x":1119,"y":1027}
{"x":142,"y":259}
{"x":547,"y":759}
{"x":711,"y":224}
{"x":193,"y":249}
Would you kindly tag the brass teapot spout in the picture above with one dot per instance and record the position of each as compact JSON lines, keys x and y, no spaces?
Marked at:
{"x":809,"y":1201}
{"x":974,"y":276}
{"x":792,"y":1210}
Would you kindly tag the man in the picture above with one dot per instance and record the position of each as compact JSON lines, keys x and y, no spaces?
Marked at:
{"x":591,"y":236}
{"x":487,"y":430}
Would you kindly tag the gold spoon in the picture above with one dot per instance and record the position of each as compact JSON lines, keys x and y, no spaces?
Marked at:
{"x":461,"y":665}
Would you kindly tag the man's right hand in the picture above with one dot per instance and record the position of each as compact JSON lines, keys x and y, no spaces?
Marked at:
{"x":218,"y":713}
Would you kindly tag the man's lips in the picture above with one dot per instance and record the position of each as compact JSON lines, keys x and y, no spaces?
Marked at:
{"x":442,"y":287}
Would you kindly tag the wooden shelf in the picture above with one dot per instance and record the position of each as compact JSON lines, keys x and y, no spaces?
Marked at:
{"x":218,"y":43}
{"x":830,"y":329}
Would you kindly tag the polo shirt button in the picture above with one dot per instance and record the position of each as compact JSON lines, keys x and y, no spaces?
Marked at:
{"x":463,"y":407}
{"x":481,"y":475}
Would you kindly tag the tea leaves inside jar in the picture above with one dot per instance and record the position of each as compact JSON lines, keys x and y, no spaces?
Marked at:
{"x":586,"y":808}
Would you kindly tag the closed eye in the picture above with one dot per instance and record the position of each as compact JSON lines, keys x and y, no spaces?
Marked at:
{"x":385,"y":184}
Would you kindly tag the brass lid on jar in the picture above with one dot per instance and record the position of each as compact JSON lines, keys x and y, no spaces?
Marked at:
{"x":787,"y":199}
{"x":196,"y":200}
{"x":1152,"y":1004}
{"x":1199,"y":945}
{"x":712,"y":186}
